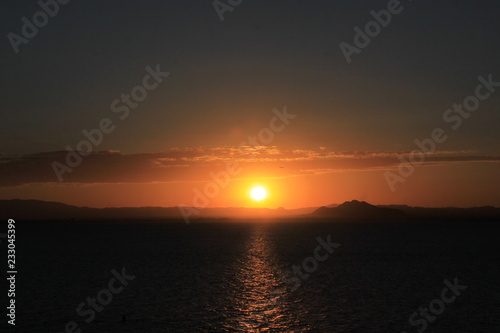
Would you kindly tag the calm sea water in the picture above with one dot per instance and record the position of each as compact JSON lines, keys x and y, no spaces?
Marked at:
{"x":223,"y":276}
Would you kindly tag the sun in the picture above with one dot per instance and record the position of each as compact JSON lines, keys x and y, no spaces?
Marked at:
{"x":258,"y":193}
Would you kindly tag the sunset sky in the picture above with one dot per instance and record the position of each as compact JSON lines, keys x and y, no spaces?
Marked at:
{"x":348,"y":124}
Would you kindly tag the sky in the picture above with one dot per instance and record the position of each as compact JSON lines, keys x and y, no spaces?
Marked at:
{"x":266,"y":93}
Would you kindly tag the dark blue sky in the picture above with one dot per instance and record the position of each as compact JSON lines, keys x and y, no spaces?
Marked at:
{"x":227,"y":75}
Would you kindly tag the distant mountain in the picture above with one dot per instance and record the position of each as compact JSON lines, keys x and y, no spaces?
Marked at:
{"x":349,"y":210}
{"x":332,"y":205}
{"x":42,"y":210}
{"x":486,"y":212}
{"x":359,"y":210}
{"x":248,"y":212}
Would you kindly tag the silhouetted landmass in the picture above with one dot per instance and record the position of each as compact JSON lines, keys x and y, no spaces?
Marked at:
{"x":42,"y":210}
{"x":359,"y":210}
{"x":349,"y":210}
{"x":487,"y":212}
{"x":246,"y":212}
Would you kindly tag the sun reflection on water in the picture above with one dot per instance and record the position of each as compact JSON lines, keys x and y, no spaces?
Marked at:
{"x":261,"y":301}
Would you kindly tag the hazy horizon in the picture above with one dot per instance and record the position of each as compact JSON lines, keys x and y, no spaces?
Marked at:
{"x":257,"y":207}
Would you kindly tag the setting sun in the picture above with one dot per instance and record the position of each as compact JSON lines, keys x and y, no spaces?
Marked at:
{"x":258,"y":193}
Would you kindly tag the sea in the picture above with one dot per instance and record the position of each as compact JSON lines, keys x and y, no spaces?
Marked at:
{"x":289,"y":275}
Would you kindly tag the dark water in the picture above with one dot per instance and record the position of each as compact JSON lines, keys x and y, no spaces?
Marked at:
{"x":228,"y":277}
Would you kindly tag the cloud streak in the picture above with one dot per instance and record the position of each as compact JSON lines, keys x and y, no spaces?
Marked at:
{"x":194,"y":164}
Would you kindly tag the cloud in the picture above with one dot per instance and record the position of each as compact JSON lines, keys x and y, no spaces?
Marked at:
{"x":195,"y":164}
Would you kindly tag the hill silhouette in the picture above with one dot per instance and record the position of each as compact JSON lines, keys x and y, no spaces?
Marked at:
{"x":349,"y":210}
{"x":43,"y":210}
{"x":359,"y":210}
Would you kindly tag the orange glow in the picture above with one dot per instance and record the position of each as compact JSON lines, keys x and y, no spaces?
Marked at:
{"x":289,"y":184}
